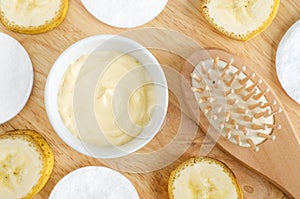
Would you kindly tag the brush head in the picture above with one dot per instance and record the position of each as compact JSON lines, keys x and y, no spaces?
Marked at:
{"x":240,"y":110}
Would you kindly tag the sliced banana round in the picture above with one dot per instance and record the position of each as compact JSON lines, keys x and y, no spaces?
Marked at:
{"x":240,"y":19}
{"x":26,"y":163}
{"x":32,"y":16}
{"x":203,"y":178}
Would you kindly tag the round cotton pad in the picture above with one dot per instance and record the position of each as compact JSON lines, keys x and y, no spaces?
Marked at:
{"x":16,"y":77}
{"x":94,"y":182}
{"x":124,"y":13}
{"x":288,"y":62}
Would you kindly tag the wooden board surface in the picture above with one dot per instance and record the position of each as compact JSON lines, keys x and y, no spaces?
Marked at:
{"x":184,"y":17}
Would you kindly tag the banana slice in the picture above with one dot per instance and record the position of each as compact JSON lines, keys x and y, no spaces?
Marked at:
{"x":240,"y":19}
{"x":26,"y":163}
{"x":32,"y":16}
{"x":204,"y":178}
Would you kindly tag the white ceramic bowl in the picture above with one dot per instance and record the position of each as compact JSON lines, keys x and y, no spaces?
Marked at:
{"x":111,"y":43}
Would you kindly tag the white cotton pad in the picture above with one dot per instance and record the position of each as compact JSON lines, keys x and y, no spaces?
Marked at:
{"x":124,"y":13}
{"x":94,"y":183}
{"x":288,"y":62}
{"x":16,"y":77}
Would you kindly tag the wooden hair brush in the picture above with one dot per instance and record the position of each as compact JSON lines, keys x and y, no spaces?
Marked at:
{"x":236,"y":104}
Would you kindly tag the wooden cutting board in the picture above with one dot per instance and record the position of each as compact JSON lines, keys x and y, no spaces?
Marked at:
{"x":184,"y":17}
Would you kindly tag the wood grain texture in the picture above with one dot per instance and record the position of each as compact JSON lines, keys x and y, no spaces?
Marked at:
{"x":184,"y":17}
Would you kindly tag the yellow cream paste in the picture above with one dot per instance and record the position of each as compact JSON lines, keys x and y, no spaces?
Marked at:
{"x":138,"y":107}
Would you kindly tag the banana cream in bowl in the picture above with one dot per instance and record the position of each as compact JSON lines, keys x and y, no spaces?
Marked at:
{"x":106,"y":96}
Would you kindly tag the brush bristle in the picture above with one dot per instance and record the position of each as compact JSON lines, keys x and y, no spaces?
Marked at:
{"x":234,"y":103}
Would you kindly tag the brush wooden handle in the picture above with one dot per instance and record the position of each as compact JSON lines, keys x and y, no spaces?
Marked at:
{"x":278,"y":161}
{"x":281,"y":156}
{"x":274,"y":158}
